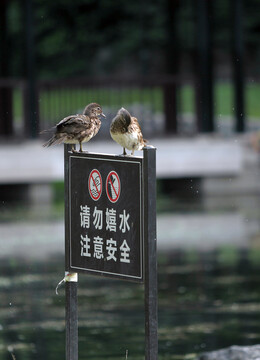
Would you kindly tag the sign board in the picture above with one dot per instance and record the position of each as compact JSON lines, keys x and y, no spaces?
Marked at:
{"x":110,"y":230}
{"x":105,"y":208}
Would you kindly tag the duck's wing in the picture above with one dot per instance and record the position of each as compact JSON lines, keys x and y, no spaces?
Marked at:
{"x":78,"y":119}
{"x":74,"y":125}
{"x":135,"y":125}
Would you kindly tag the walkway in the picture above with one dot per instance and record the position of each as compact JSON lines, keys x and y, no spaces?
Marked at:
{"x":200,"y":156}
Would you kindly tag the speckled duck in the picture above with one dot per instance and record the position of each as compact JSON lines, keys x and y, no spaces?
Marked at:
{"x":126,"y":131}
{"x":77,"y":129}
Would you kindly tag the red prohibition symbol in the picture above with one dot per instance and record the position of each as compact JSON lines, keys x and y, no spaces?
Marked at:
{"x":95,"y":184}
{"x":113,"y":186}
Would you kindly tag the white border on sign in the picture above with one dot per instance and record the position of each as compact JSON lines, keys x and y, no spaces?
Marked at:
{"x":141,"y":222}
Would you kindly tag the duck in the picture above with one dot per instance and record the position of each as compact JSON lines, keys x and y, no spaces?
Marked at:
{"x":77,"y":129}
{"x":126,"y":131}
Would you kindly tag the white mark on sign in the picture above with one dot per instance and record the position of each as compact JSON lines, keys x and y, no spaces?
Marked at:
{"x":111,"y":219}
{"x":85,"y":216}
{"x":124,"y":222}
{"x":95,"y":184}
{"x":113,"y":186}
{"x":98,"y":247}
{"x":85,"y":246}
{"x":111,"y":249}
{"x":98,"y":218}
{"x":125,"y":250}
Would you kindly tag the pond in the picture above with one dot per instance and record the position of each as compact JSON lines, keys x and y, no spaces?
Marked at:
{"x":208,"y":298}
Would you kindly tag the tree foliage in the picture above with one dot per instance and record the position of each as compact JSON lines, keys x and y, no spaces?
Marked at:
{"x":95,"y":37}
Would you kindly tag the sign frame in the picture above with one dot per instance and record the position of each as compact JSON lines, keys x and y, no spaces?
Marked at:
{"x":86,"y":159}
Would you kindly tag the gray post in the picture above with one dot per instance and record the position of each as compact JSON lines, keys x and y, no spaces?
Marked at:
{"x":150,"y":241}
{"x":71,"y":321}
{"x":71,"y":287}
{"x":32,"y":126}
{"x":204,"y":66}
{"x":238,"y":62}
{"x":6,"y":92}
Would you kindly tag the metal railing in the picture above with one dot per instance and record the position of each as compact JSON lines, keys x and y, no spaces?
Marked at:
{"x":155,"y":101}
{"x":152,"y":100}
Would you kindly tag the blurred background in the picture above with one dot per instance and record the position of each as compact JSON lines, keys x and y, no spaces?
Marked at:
{"x":189,"y":71}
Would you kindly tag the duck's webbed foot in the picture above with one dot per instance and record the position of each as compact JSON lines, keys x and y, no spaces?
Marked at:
{"x":81,"y":149}
{"x":73,"y":148}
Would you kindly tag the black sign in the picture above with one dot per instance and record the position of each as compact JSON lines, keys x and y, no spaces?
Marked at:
{"x":105,"y":215}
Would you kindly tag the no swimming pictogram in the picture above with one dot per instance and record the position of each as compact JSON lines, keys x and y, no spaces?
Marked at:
{"x":113,"y":186}
{"x":95,"y":184}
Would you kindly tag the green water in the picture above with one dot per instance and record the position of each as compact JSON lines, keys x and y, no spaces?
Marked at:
{"x":206,"y":301}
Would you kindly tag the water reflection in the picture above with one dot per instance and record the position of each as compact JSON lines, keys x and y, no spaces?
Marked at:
{"x":206,"y":301}
{"x":214,"y":303}
{"x":208,"y":295}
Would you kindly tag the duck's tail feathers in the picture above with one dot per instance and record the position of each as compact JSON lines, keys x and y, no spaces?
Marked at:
{"x":145,"y":142}
{"x":54,"y":140}
{"x":51,"y":130}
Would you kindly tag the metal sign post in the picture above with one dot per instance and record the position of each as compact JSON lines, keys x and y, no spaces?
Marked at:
{"x":71,"y":287}
{"x":150,"y":241}
{"x":110,"y":230}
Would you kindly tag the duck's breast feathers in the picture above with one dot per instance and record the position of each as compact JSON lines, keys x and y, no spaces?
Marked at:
{"x":95,"y":125}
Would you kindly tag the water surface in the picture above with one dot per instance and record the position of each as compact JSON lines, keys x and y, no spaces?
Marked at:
{"x":208,"y":297}
{"x":206,"y":301}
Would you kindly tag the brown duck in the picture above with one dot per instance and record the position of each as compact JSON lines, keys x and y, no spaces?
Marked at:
{"x":126,"y":131}
{"x":77,"y":129}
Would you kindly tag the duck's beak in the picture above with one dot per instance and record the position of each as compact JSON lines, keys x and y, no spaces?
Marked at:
{"x":102,"y":114}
